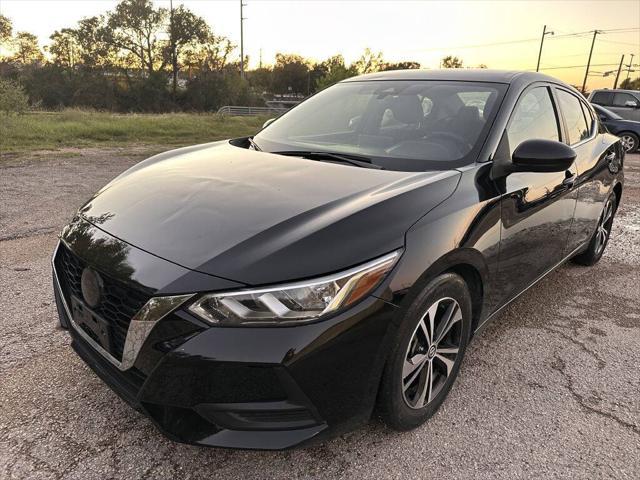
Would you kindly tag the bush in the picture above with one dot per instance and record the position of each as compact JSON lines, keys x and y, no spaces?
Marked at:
{"x":13,"y":98}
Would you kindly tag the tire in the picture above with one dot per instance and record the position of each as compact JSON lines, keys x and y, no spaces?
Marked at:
{"x":405,"y":401}
{"x":600,"y":238}
{"x":630,"y":141}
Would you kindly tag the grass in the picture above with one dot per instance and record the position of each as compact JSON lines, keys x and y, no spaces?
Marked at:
{"x":76,"y":128}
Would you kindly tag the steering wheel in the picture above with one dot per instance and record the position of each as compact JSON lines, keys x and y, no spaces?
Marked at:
{"x":458,"y":141}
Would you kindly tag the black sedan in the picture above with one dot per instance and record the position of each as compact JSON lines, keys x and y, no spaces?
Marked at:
{"x":627,"y":130}
{"x":272,"y":291}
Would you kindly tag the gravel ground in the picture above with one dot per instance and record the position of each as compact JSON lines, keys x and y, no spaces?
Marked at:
{"x":551,"y":389}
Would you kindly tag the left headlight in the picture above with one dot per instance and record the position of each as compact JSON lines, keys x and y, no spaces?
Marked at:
{"x":294,"y":302}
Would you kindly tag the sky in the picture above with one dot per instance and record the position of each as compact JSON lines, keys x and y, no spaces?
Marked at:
{"x":499,"y":34}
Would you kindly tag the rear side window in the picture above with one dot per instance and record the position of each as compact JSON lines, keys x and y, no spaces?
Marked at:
{"x":533,"y":118}
{"x":577,"y":127}
{"x":588,"y":115}
{"x":602,"y":98}
{"x":621,"y":99}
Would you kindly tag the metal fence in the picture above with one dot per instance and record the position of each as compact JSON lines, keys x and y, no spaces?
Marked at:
{"x":246,"y":111}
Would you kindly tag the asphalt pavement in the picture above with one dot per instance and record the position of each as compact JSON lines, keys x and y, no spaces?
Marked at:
{"x":551,"y":389}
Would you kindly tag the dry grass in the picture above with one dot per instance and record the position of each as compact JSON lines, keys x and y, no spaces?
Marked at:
{"x":76,"y":128}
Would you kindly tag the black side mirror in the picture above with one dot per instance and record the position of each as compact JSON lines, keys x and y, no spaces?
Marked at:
{"x":542,"y":156}
{"x":603,"y":118}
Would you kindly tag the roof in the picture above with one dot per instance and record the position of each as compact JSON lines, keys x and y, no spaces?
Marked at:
{"x":616,"y":90}
{"x":460,"y":74}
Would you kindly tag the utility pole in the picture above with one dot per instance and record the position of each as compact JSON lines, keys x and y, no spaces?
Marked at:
{"x":242,"y":19}
{"x":174,"y":60}
{"x":629,"y":66}
{"x":260,"y":59}
{"x":615,"y":84}
{"x":544,"y":33}
{"x":586,"y":73}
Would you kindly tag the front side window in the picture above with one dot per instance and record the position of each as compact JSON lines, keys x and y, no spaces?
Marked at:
{"x":533,"y":118}
{"x":577,"y":127}
{"x":624,"y":100}
{"x":602,"y":98}
{"x":400,"y":125}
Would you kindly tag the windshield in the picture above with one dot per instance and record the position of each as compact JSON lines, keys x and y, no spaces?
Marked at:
{"x":608,"y":113}
{"x":399,"y":125}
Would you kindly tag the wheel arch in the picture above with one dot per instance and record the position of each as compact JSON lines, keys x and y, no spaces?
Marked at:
{"x":469,"y":264}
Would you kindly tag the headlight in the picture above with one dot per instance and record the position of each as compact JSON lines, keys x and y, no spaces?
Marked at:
{"x":294,"y":302}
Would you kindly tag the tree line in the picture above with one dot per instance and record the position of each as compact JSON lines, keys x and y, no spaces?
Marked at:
{"x":139,"y":57}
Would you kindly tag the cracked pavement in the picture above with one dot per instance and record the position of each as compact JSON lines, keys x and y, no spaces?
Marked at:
{"x":551,"y":389}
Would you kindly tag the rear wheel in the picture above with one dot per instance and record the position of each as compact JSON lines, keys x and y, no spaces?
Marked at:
{"x":427,"y":353}
{"x":629,"y":141}
{"x":600,"y":238}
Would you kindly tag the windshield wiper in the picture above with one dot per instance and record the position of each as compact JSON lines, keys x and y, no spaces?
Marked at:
{"x":357,"y":160}
{"x":253,"y":144}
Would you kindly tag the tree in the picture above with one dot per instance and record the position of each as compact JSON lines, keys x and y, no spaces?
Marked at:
{"x":332,"y":70}
{"x":27,"y":50}
{"x":6,"y":30}
{"x":291,"y":74}
{"x":369,"y":62}
{"x":134,"y":28}
{"x":630,"y":84}
{"x":64,"y":47}
{"x":185,"y":28}
{"x":451,"y":62}
{"x":406,"y":65}
{"x":210,"y":55}
{"x":92,"y":37}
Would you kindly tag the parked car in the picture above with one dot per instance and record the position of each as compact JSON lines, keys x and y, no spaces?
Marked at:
{"x":272,"y":291}
{"x":627,"y":130}
{"x":625,"y":103}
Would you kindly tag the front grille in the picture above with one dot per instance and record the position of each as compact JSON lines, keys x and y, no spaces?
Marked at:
{"x":119,"y":302}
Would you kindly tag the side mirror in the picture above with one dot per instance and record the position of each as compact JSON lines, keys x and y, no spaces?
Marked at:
{"x":603,"y":118}
{"x":631,"y":103}
{"x":268,"y":122}
{"x":542,"y":156}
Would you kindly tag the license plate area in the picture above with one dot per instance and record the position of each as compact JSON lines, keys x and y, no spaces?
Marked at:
{"x":91,"y":323}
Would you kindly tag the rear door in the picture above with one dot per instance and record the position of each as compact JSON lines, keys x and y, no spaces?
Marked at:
{"x":592,"y":162}
{"x":537,"y":208}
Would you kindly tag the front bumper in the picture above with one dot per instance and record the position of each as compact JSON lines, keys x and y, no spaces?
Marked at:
{"x":251,"y":387}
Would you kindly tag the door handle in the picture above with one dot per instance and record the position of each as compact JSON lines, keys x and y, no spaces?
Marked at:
{"x":570,"y":179}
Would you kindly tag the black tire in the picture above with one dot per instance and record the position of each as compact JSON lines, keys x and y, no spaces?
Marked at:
{"x":397,"y":393}
{"x":630,"y":141}
{"x":597,"y":244}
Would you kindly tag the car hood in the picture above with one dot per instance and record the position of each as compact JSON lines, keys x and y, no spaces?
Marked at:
{"x":259,"y":218}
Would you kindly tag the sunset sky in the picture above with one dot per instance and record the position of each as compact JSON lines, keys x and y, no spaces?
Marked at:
{"x":500,"y":34}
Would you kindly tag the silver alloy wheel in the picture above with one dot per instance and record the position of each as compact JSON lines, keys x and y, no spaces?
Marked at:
{"x":432,"y":353}
{"x":604,"y":226}
{"x":628,"y":143}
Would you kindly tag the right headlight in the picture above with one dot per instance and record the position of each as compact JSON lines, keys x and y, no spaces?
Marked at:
{"x":295,"y":302}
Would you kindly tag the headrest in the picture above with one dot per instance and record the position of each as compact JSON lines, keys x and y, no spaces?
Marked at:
{"x":406,"y":108}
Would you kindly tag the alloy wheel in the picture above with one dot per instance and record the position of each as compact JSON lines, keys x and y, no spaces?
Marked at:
{"x":432,"y":353}
{"x":604,"y":226}
{"x":628,"y":143}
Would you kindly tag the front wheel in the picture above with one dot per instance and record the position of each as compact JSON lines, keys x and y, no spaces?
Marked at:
{"x":600,"y":238}
{"x":427,"y":353}
{"x":629,"y":141}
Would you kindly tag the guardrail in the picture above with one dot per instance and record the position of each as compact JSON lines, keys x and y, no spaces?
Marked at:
{"x":246,"y":111}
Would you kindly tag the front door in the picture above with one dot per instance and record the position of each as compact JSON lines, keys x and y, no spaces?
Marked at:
{"x":537,"y":208}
